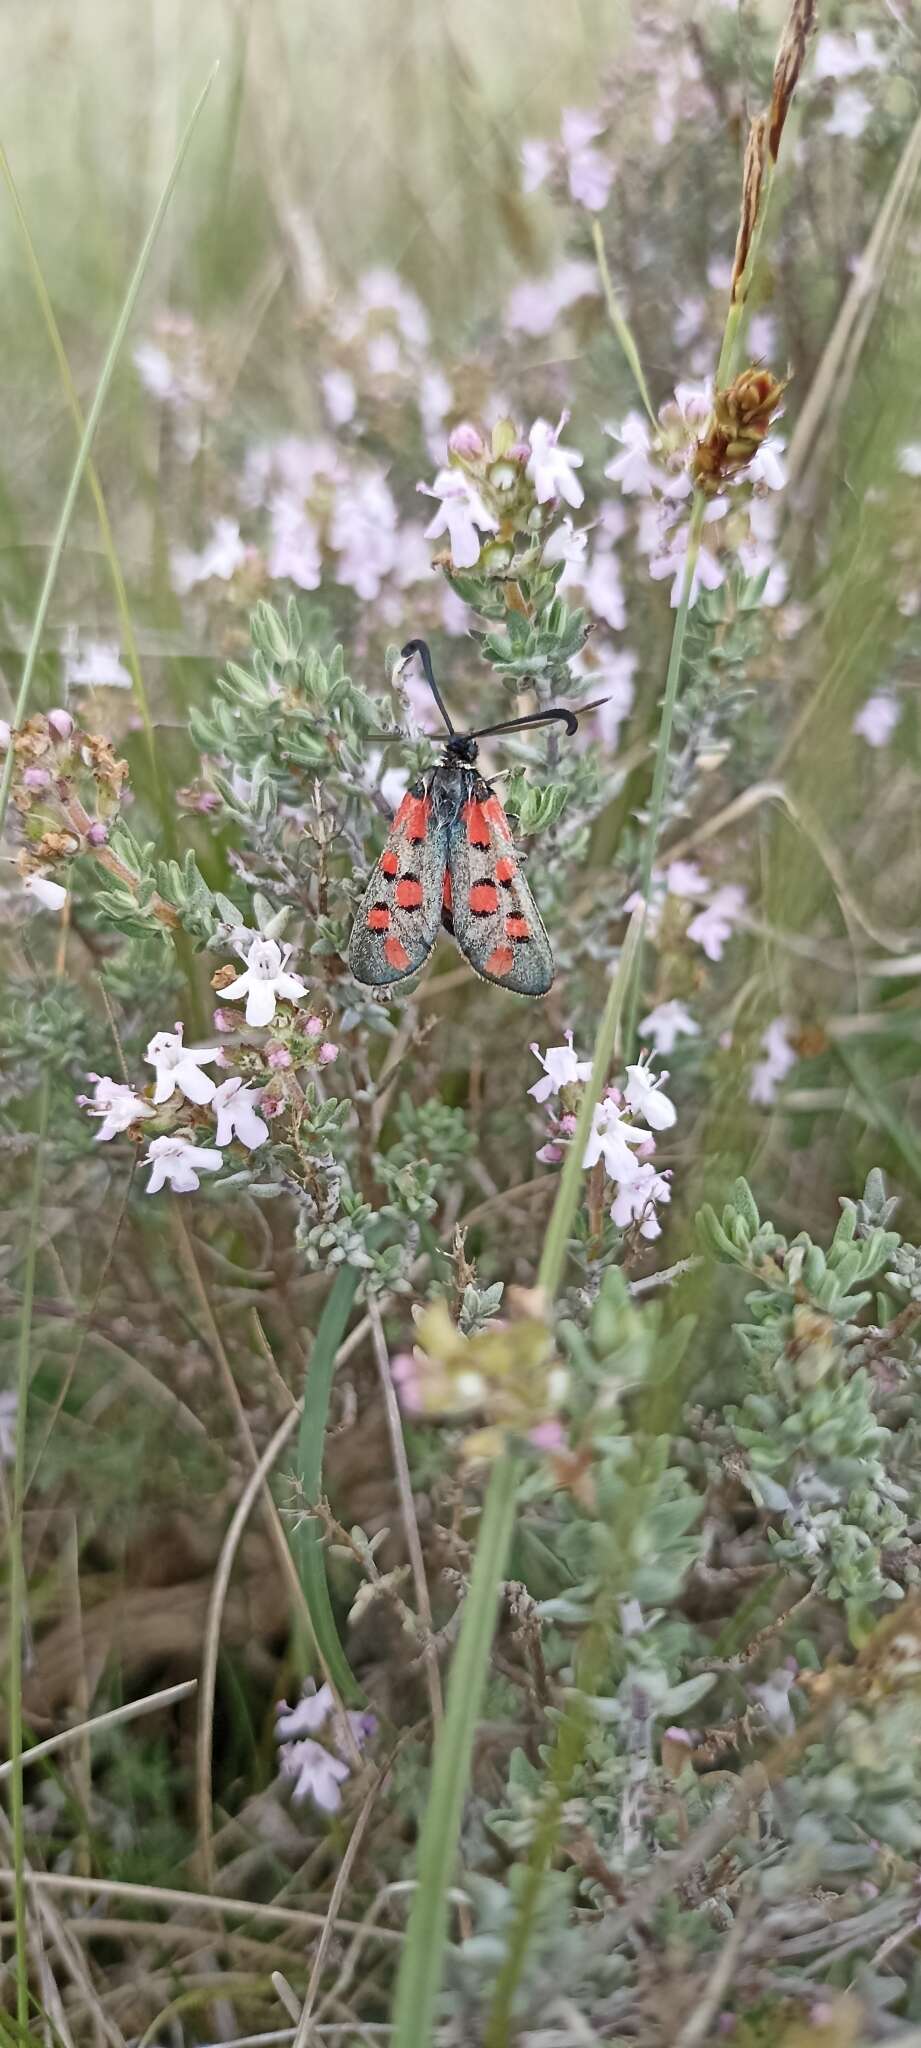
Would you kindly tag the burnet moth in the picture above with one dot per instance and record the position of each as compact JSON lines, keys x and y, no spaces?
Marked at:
{"x":449,"y":860}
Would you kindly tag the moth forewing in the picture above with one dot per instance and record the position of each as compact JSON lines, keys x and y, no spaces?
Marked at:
{"x":496,"y":921}
{"x":400,"y":912}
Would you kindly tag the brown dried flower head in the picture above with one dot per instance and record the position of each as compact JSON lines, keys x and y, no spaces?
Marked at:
{"x":790,"y":59}
{"x":742,"y":414}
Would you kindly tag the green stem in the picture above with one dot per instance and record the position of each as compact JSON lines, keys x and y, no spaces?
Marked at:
{"x":620,"y":326}
{"x":421,"y":1961}
{"x":311,"y":1441}
{"x":663,"y":745}
{"x":17,"y":1579}
{"x":569,"y":1192}
{"x":86,"y":442}
{"x":179,"y":937}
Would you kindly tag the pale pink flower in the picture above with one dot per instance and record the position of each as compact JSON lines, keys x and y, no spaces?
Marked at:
{"x":590,"y":175}
{"x":644,"y":1095}
{"x":850,"y":113}
{"x":536,"y":163}
{"x":179,"y":1164}
{"x":778,"y":1058}
{"x":222,"y":555}
{"x":294,"y":548}
{"x":98,"y":667}
{"x":708,"y":572}
{"x":636,"y":1197}
{"x":610,"y":1139}
{"x":684,"y":878}
{"x":603,"y":588}
{"x":180,"y":1066}
{"x":339,"y":396}
{"x":327,"y":1053}
{"x":551,"y":467}
{"x":460,"y":513}
{"x":307,"y":1716}
{"x":116,"y":1104}
{"x":666,"y":1024}
{"x":535,"y":305}
{"x":265,"y":982}
{"x":843,"y":56}
{"x":363,"y":533}
{"x":713,"y":926}
{"x":561,"y":1069}
{"x":234,"y":1105}
{"x":877,"y":719}
{"x":317,"y":1774}
{"x":634,"y":469}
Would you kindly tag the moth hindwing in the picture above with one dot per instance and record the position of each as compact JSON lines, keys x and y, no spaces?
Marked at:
{"x":496,"y":921}
{"x":400,"y":912}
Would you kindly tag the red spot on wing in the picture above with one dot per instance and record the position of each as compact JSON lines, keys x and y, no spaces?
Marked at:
{"x":483,"y":897}
{"x":447,"y":894}
{"x":395,"y":953}
{"x":495,"y":815}
{"x":412,"y":818}
{"x":474,"y":816}
{"x":517,"y":928}
{"x":379,"y":917}
{"x":505,"y":870}
{"x":500,"y":962}
{"x":389,"y":861}
{"x":409,"y":894}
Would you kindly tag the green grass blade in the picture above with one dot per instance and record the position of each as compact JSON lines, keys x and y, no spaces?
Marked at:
{"x":311,"y":1439}
{"x":82,"y":457}
{"x":421,"y":1962}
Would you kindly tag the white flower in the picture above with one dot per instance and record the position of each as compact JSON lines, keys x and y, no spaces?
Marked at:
{"x":316,"y":1773}
{"x":910,"y":458}
{"x":49,"y":894}
{"x":643,"y":1094}
{"x":265,"y":982}
{"x":767,"y":465}
{"x":779,"y":1057}
{"x":590,"y":174}
{"x":842,"y":56}
{"x":634,"y":470}
{"x":550,"y":467}
{"x":610,"y":1139}
{"x":536,"y":163}
{"x":877,"y":719}
{"x":312,"y":1709}
{"x":536,"y":304}
{"x":684,"y":878}
{"x":180,"y":1066}
{"x":98,"y":667}
{"x":235,"y":1108}
{"x":339,"y":396}
{"x":850,"y":113}
{"x":603,"y":588}
{"x":636,"y":1196}
{"x":561,"y":1068}
{"x":713,"y":926}
{"x":117,"y":1105}
{"x":175,"y":1161}
{"x":708,"y":572}
{"x":294,"y":554}
{"x":666,"y":1024}
{"x":222,"y":555}
{"x":774,"y":1698}
{"x":459,"y":514}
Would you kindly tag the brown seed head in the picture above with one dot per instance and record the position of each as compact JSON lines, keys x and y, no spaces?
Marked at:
{"x":752,"y":179}
{"x":790,"y":58}
{"x":742,"y":413}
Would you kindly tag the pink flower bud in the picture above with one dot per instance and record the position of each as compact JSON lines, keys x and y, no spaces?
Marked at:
{"x":466,"y":439}
{"x":549,"y":1155}
{"x":568,"y":1126}
{"x":519,"y":452}
{"x":98,"y":833}
{"x":547,"y":1436}
{"x":279,"y":1056}
{"x":36,"y":778}
{"x":314,"y":1027}
{"x":328,"y":1053}
{"x":224,"y":1021}
{"x":61,"y":723}
{"x":270,"y":1105}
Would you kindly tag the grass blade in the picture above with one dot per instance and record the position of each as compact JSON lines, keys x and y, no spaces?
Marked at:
{"x":317,"y":1390}
{"x":86,"y":442}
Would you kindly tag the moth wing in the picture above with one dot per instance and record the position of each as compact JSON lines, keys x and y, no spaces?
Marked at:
{"x":399,"y":916}
{"x":497,"y":924}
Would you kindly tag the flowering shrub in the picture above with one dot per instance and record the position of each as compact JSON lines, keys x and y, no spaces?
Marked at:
{"x":422,"y":1357}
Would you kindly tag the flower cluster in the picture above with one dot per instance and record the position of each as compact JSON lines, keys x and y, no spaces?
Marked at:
{"x":318,"y":1769}
{"x":506,"y":1376}
{"x":618,"y":1140}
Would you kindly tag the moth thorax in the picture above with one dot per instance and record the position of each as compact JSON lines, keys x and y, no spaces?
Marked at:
{"x":460,"y":748}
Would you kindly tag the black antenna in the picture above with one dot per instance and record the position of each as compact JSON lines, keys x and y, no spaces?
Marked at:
{"x":420,"y":647}
{"x":488,"y":732}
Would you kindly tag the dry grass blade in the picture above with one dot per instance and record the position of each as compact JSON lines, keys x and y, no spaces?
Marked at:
{"x":151,"y":1703}
{"x":752,"y":179}
{"x":790,"y":59}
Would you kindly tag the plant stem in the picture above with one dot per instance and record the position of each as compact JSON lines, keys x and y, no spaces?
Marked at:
{"x":17,"y":1577}
{"x":663,"y":745}
{"x":420,"y":1966}
{"x":86,"y":442}
{"x":553,"y":1256}
{"x":620,"y":326}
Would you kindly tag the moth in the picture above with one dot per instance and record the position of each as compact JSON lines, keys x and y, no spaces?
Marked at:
{"x":449,"y":860}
